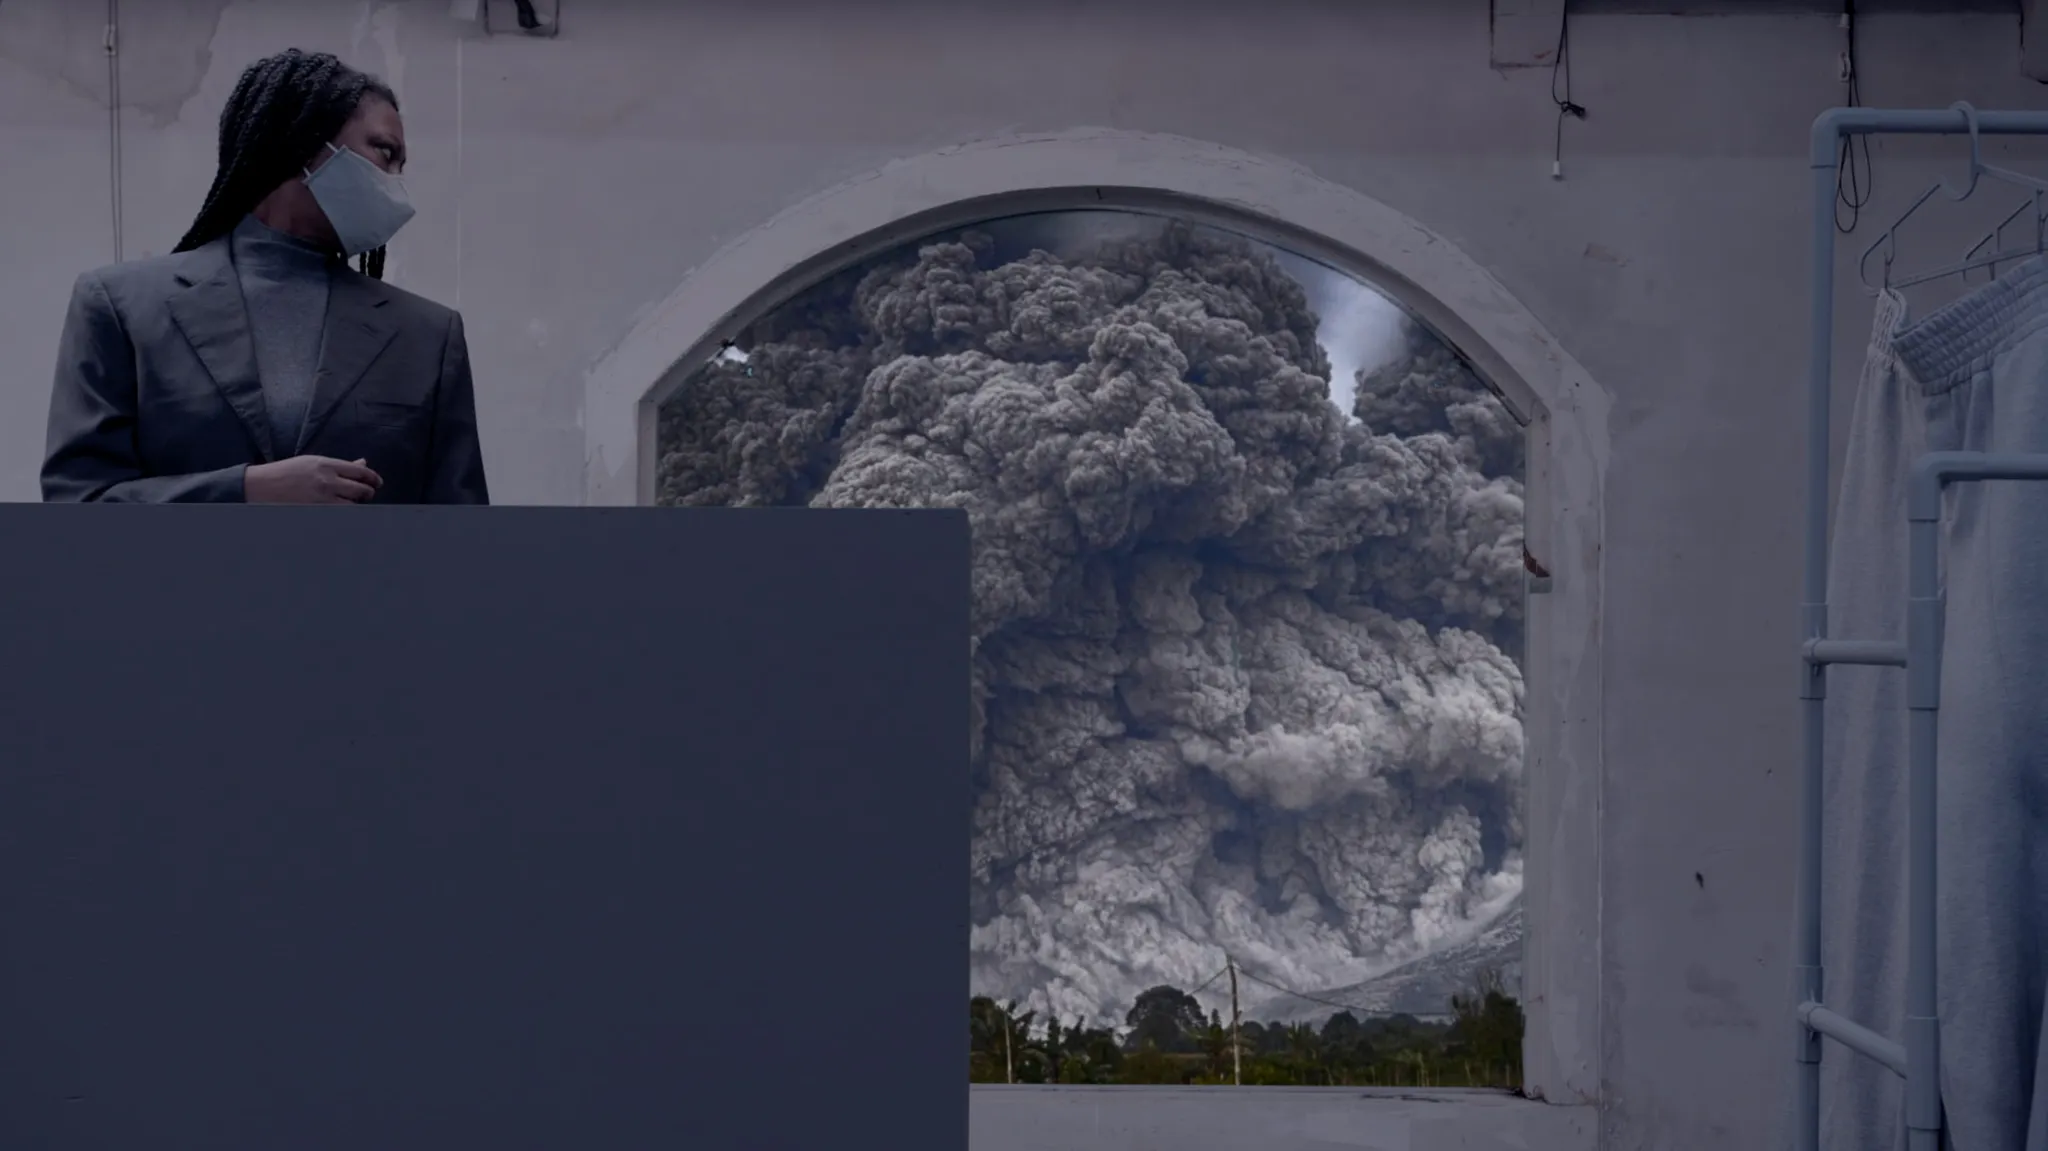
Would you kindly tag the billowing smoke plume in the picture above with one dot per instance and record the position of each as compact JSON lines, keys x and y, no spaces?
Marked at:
{"x":1245,"y":674}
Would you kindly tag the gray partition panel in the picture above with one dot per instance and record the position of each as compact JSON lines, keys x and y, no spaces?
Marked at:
{"x":390,"y":828}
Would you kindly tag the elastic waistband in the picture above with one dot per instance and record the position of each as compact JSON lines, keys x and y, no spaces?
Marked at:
{"x":1944,"y":349}
{"x":1888,"y":320}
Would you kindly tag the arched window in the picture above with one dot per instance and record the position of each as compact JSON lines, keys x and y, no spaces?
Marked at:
{"x":1249,"y":637}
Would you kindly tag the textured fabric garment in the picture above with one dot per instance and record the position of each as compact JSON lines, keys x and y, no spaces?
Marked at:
{"x":1863,"y":789}
{"x":1982,"y":364}
{"x":284,"y":286}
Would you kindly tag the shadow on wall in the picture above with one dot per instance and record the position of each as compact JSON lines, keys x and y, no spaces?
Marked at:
{"x":1246,"y":681}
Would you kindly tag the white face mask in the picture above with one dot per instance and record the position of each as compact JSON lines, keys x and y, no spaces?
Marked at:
{"x":365,"y":205}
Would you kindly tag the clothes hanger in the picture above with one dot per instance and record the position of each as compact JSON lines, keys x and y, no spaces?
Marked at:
{"x":1995,"y":238}
{"x":1887,"y":241}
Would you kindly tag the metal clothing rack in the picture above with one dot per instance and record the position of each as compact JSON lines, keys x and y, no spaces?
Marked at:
{"x":1916,"y":1058}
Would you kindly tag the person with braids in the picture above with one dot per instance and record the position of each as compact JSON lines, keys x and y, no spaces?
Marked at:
{"x":254,"y":364}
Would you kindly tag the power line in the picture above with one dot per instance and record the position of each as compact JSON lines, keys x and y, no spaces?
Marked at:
{"x":1233,"y":968}
{"x":1206,"y":982}
{"x":1272,"y":986}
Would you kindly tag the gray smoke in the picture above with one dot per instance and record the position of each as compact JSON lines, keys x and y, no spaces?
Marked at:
{"x":1245,"y":669}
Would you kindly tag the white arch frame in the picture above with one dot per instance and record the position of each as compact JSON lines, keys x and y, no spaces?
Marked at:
{"x":1273,"y":200}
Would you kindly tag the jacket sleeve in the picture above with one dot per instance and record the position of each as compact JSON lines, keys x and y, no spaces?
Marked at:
{"x":455,"y":465}
{"x":91,"y":454}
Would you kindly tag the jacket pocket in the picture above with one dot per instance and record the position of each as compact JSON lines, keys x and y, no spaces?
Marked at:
{"x":390,"y":413}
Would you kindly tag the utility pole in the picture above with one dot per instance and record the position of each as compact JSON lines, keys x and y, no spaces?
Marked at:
{"x":1236,"y":1051}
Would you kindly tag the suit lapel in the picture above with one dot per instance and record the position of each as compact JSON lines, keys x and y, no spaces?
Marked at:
{"x":209,"y":313}
{"x":358,"y":330}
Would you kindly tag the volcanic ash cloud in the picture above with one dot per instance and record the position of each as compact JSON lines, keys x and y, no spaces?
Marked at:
{"x":1244,"y":677}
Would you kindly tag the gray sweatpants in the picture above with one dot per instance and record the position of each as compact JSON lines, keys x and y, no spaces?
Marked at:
{"x":1863,"y":814}
{"x":1982,"y":364}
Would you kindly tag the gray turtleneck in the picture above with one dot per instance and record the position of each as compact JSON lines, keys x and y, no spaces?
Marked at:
{"x":284,"y":288}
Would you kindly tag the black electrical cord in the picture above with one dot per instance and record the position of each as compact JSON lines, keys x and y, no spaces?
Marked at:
{"x":1852,"y":191}
{"x":1561,"y":74}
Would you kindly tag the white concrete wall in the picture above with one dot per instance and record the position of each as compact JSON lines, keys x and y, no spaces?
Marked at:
{"x":567,"y":185}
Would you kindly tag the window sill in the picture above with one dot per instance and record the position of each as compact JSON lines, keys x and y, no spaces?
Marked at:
{"x":1029,"y":1118}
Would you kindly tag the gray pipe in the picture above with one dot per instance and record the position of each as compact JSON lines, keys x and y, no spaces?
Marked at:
{"x":1935,"y":471}
{"x":1874,"y":653}
{"x":1854,"y":1036}
{"x":1830,"y":126}
{"x":1923,"y":701}
{"x":1808,"y":982}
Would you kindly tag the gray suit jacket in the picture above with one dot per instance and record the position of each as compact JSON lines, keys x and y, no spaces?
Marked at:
{"x":157,"y":400}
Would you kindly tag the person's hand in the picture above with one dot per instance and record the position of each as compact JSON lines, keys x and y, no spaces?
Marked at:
{"x":310,"y":480}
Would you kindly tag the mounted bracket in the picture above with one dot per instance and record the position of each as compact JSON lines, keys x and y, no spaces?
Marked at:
{"x":541,"y":18}
{"x":2034,"y":39}
{"x":1525,"y":32}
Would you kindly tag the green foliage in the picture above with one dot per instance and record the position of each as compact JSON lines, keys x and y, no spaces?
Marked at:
{"x":1168,"y":1039}
{"x":1005,"y":1046}
{"x":1166,"y":1018}
{"x":1487,"y":1028}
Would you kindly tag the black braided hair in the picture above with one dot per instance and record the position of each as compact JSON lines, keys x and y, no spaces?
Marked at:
{"x":282,"y":114}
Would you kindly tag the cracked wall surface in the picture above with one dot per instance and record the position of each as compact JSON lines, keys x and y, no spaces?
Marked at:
{"x":64,"y":47}
{"x":566,"y":186}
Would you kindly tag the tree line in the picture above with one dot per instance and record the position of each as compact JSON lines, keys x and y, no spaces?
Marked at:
{"x":1167,"y":1038}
